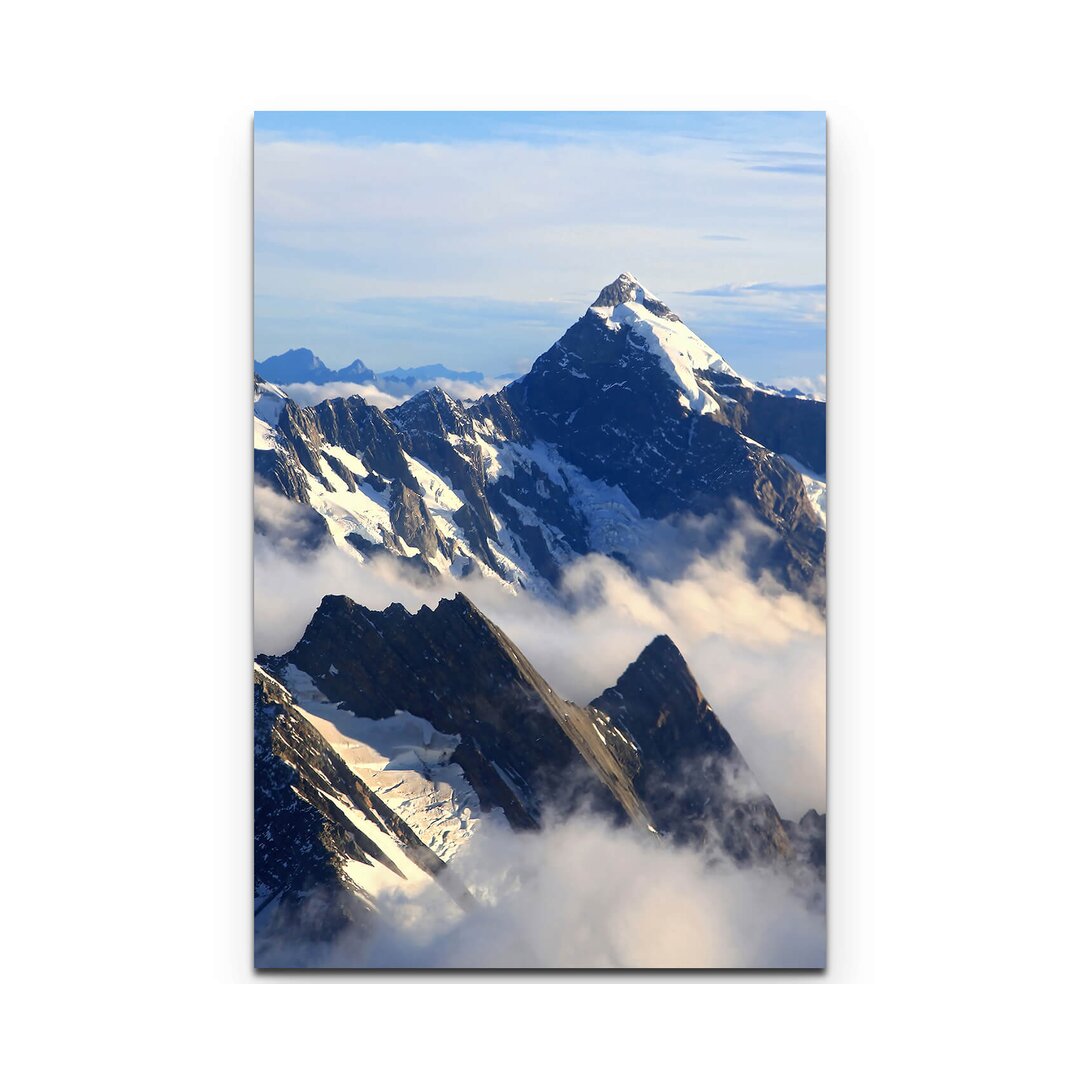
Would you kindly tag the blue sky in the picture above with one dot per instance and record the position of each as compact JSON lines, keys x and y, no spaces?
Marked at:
{"x":475,"y":239}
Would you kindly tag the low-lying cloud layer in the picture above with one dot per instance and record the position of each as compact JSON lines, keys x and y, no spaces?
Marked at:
{"x":312,"y":393}
{"x":758,"y":652}
{"x":814,"y":385}
{"x":578,"y":894}
{"x":393,"y":392}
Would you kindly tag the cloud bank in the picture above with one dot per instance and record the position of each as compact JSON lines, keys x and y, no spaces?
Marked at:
{"x":578,"y":894}
{"x":463,"y":390}
{"x":313,"y":393}
{"x":815,"y":386}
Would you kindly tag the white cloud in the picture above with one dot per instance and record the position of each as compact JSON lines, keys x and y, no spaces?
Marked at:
{"x":579,"y":893}
{"x":313,"y":393}
{"x":462,"y":389}
{"x":814,"y":385}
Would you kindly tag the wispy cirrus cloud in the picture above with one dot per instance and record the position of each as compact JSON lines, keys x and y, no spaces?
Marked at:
{"x":790,"y":162}
{"x":793,"y":169}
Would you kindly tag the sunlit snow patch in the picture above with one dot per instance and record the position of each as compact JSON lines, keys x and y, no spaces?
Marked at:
{"x":404,"y":760}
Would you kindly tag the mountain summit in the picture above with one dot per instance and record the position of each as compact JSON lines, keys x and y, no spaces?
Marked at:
{"x":626,"y":289}
{"x":629,"y":419}
{"x":626,"y":305}
{"x":303,"y":366}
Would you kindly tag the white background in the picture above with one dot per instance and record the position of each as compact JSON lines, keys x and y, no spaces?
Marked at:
{"x":952,"y":516}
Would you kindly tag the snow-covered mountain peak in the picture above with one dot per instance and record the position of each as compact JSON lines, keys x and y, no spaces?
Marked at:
{"x":574,"y":457}
{"x":440,"y":393}
{"x":660,"y":333}
{"x":626,"y":289}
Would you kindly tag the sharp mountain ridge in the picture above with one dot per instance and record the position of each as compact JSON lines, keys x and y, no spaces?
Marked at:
{"x":629,"y":420}
{"x":386,"y":739}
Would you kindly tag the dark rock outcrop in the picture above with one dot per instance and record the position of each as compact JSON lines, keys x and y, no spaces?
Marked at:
{"x":648,"y":751}
{"x":691,"y":776}
{"x":808,"y":838}
{"x":297,"y":847}
{"x":522,"y":747}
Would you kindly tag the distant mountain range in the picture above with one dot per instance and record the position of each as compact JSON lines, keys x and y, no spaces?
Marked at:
{"x":303,"y":366}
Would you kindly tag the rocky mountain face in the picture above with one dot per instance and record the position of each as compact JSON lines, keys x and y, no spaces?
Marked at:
{"x":808,"y":839}
{"x":325,"y":841}
{"x":298,"y":850}
{"x":689,"y":771}
{"x":385,"y":739}
{"x":634,"y":399}
{"x":628,"y":420}
{"x":521,"y":747}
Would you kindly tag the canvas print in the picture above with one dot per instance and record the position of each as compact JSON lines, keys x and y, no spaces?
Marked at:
{"x":539,"y":540}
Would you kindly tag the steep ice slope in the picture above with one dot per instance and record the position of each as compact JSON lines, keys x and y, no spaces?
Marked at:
{"x":269,"y":401}
{"x":403,"y":760}
{"x":365,"y":845}
{"x":626,"y":303}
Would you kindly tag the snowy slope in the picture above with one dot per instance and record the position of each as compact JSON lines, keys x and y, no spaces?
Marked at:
{"x":404,"y":760}
{"x":664,"y":335}
{"x":816,"y":486}
{"x":269,"y":401}
{"x":629,"y":418}
{"x":384,"y":809}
